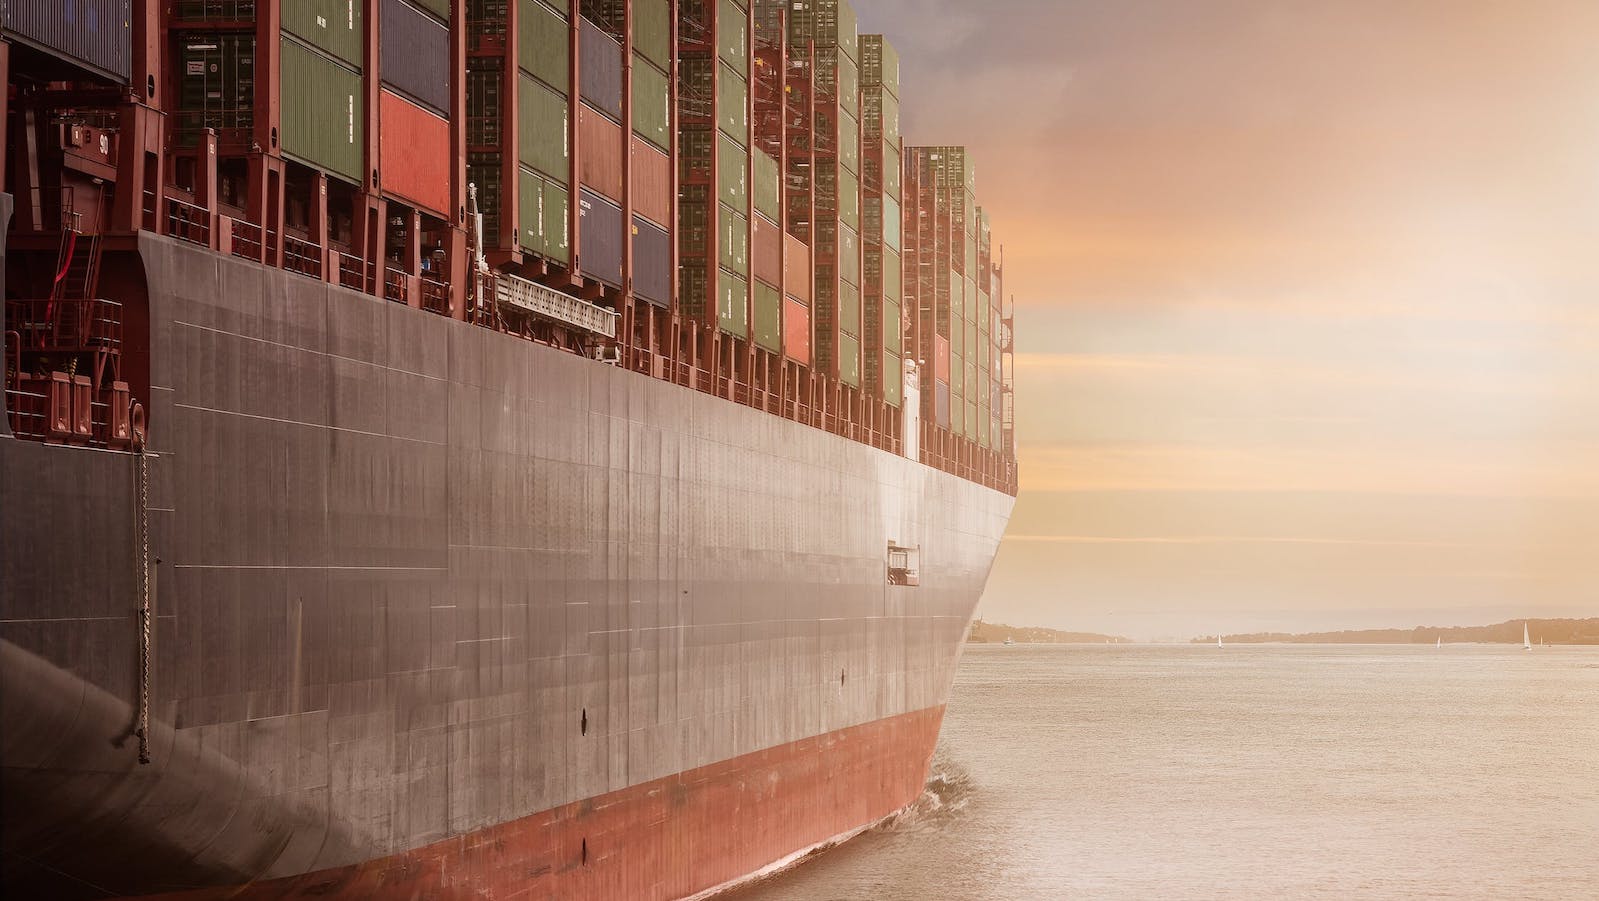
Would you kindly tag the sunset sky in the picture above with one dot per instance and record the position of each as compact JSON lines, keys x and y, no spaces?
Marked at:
{"x":1308,"y":302}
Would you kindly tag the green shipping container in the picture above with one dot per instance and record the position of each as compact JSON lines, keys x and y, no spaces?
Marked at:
{"x":768,"y":317}
{"x":733,"y":36}
{"x":893,"y":332}
{"x":323,"y":113}
{"x":849,"y":199}
{"x":849,"y":143}
{"x":893,"y":271}
{"x":652,"y":104}
{"x":849,"y":309}
{"x":732,"y":173}
{"x":733,"y":241}
{"x":544,"y":45}
{"x":849,"y":255}
{"x":892,"y":220}
{"x":879,"y":63}
{"x":652,"y":31}
{"x":893,"y":376}
{"x":849,"y":86}
{"x":891,"y":173}
{"x":849,"y":361}
{"x":732,"y":303}
{"x":544,"y":221}
{"x":768,"y":187}
{"x":732,"y":105}
{"x":334,"y":26}
{"x":957,"y":375}
{"x":542,"y":124}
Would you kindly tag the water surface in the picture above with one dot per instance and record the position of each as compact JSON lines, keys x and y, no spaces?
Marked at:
{"x":1252,"y":771}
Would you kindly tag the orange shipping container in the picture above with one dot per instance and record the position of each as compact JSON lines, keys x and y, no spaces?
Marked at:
{"x":414,"y":154}
{"x":797,"y":331}
{"x":797,"y":268}
{"x":766,"y":241}
{"x":941,"y":358}
{"x":599,"y":147}
{"x":652,"y":184}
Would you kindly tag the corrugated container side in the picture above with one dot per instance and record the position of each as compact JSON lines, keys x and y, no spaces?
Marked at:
{"x":732,"y":35}
{"x":891,"y":224}
{"x":334,"y":26}
{"x":600,"y":69}
{"x":323,"y":111}
{"x":849,"y":143}
{"x":849,"y":86}
{"x":893,"y":378}
{"x":440,"y":8}
{"x":797,"y":269}
{"x":542,"y":123}
{"x":544,"y":47}
{"x":652,"y":104}
{"x":733,"y":244}
{"x":600,"y":163}
{"x":414,"y":55}
{"x":849,"y":255}
{"x":941,"y":358}
{"x":849,"y":360}
{"x":652,"y":30}
{"x":652,"y":263}
{"x":768,"y":317}
{"x":893,"y":274}
{"x":732,"y":106}
{"x":97,"y":33}
{"x":600,"y":234}
{"x":732,"y":172}
{"x":414,"y":153}
{"x":768,"y":186}
{"x":766,"y":241}
{"x":849,"y":309}
{"x":941,"y":403}
{"x":797,"y":331}
{"x":849,"y":199}
{"x":732,"y":304}
{"x":556,"y":222}
{"x":652,"y":183}
{"x":893,"y":173}
{"x":893,"y":331}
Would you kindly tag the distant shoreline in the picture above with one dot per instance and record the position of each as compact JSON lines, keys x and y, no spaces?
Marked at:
{"x":1540,"y":632}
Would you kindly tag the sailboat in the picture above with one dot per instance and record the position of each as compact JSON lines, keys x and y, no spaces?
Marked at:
{"x":1440,"y":641}
{"x":1218,"y":641}
{"x":1526,"y":639}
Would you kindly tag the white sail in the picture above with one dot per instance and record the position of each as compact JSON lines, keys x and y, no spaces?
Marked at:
{"x":1440,"y":641}
{"x":1526,"y":639}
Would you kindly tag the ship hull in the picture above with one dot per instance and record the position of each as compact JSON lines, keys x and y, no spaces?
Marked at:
{"x":442,"y":613}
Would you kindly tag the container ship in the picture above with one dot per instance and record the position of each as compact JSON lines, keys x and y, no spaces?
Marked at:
{"x":478,"y":448}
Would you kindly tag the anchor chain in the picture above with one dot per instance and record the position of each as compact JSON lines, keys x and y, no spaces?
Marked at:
{"x":142,"y":727}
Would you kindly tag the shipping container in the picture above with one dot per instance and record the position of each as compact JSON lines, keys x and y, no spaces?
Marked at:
{"x":768,"y":317}
{"x":600,"y":69}
{"x":732,"y":173}
{"x":892,"y":276}
{"x":96,"y":34}
{"x":732,"y":304}
{"x":544,"y":226}
{"x":941,"y":358}
{"x":218,"y":87}
{"x":797,"y":331}
{"x":849,"y":199}
{"x":829,"y":23}
{"x":414,"y":154}
{"x":600,"y":162}
{"x":733,"y":35}
{"x":732,"y":106}
{"x":414,"y":55}
{"x":797,"y":269}
{"x":333,"y":26}
{"x":600,"y":237}
{"x":733,"y":241}
{"x":849,"y":360}
{"x":893,"y":378}
{"x":652,"y":31}
{"x":652,"y":183}
{"x":544,"y":47}
{"x":652,"y":104}
{"x":766,"y":249}
{"x":941,"y":404}
{"x":652,"y":263}
{"x":849,"y":309}
{"x":768,"y":186}
{"x":849,"y":255}
{"x":893,"y":330}
{"x":323,"y":107}
{"x":439,"y":8}
{"x":879,"y":63}
{"x":543,"y":129}
{"x":849,"y":143}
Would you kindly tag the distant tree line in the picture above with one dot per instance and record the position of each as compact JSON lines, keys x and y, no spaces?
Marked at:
{"x":982,"y":633}
{"x":1542,"y":631}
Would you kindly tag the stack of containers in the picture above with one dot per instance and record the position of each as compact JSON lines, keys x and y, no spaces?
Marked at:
{"x":823,"y":32}
{"x":926,"y":285}
{"x":955,"y":296}
{"x":987,"y":356}
{"x":414,"y":102}
{"x":714,"y":163}
{"x":601,"y":151}
{"x":785,"y":128}
{"x":650,"y":165}
{"x":323,"y":100}
{"x":768,"y":103}
{"x":881,"y":218}
{"x":543,"y":108}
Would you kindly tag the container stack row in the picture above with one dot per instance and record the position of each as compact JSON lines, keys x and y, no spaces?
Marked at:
{"x":881,"y":149}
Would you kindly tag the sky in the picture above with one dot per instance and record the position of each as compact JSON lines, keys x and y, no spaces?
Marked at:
{"x":1307,"y":299}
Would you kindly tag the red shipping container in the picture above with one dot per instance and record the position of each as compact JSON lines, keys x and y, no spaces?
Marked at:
{"x":941,"y":358}
{"x":797,"y":268}
{"x":599,"y":148}
{"x":414,"y":154}
{"x":797,"y":331}
{"x":652,"y":183}
{"x":766,"y":246}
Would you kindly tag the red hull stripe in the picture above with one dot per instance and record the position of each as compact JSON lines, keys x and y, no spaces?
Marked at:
{"x":666,"y":839}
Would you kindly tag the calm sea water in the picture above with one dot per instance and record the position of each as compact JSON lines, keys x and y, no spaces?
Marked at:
{"x":1244,"y":772}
